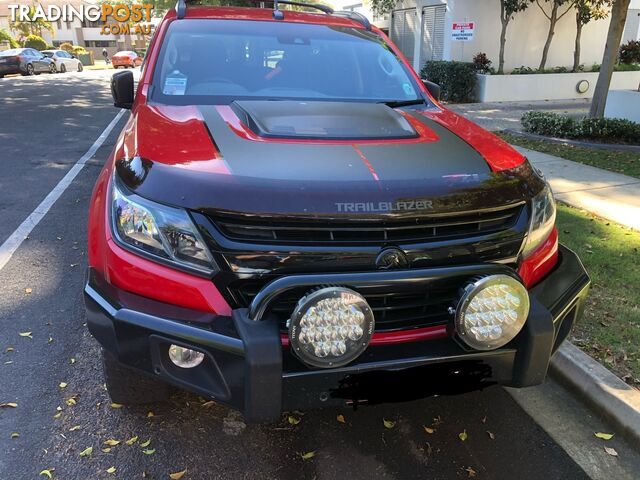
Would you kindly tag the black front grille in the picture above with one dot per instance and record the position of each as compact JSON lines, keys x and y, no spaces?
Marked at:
{"x":404,"y":308}
{"x":364,"y":231}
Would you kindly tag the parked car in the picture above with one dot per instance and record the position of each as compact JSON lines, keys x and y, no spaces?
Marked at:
{"x":64,"y":61}
{"x":126,"y":59}
{"x":290,"y":219}
{"x":25,"y":61}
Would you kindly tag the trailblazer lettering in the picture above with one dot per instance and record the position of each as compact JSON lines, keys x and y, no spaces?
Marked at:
{"x":352,"y":207}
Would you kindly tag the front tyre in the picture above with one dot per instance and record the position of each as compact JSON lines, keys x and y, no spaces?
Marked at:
{"x":128,"y":387}
{"x":30,"y":69}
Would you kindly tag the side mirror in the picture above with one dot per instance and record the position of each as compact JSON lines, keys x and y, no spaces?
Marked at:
{"x":433,"y":88}
{"x":122,"y":89}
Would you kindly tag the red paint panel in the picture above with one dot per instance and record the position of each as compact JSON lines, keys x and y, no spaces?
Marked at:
{"x":497,"y":153}
{"x":401,"y":336}
{"x":537,"y":265}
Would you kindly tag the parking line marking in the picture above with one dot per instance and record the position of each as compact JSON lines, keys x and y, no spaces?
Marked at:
{"x":11,"y":244}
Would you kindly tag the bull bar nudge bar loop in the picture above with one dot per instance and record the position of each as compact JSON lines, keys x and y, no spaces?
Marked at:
{"x":277,"y":287}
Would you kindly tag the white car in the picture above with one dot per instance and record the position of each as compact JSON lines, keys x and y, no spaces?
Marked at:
{"x":65,"y":62}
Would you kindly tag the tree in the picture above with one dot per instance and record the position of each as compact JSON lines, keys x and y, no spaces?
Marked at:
{"x":614,"y":37}
{"x":587,"y":10}
{"x":30,"y":27}
{"x":554,"y":16}
{"x":6,"y":37}
{"x":34,"y":41}
{"x":508,"y":9}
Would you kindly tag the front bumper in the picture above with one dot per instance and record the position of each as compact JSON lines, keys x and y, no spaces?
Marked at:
{"x":247,"y":368}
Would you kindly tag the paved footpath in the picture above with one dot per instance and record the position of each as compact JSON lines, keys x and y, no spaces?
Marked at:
{"x":609,"y":195}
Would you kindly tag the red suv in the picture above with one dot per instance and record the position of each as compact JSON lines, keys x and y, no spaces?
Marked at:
{"x":290,"y":219}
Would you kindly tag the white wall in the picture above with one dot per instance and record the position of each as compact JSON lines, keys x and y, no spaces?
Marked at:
{"x":525,"y":36}
{"x":549,"y":86}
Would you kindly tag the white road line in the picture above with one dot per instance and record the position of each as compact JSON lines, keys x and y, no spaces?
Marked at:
{"x":11,"y":244}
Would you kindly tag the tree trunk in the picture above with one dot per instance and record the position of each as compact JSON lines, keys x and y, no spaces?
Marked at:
{"x":576,"y":51}
{"x":552,"y":29}
{"x":503,"y":41}
{"x":616,"y":27}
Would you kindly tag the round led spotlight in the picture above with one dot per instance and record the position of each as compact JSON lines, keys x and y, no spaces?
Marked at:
{"x":491,"y":312}
{"x":330,"y":327}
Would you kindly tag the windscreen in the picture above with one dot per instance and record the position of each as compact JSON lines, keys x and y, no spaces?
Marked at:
{"x":218,"y":61}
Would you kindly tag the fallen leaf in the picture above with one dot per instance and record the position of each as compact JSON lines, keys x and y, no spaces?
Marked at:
{"x":9,"y":405}
{"x":86,"y":452}
{"x":116,"y":405}
{"x":293,"y":420}
{"x":145,"y":444}
{"x":388,"y":423}
{"x":70,"y":401}
{"x":340,"y":418}
{"x":429,"y":430}
{"x":150,"y":414}
{"x":308,"y":455}
{"x":50,"y":340}
{"x":28,"y":290}
{"x":132,"y":440}
{"x":63,"y":385}
{"x":111,"y":442}
{"x":208,"y":404}
{"x":177,"y":475}
{"x":471,"y":472}
{"x":463,"y":436}
{"x":46,"y":473}
{"x":25,"y":334}
{"x":149,"y":451}
{"x":492,"y":435}
{"x":611,"y":451}
{"x":9,"y":349}
{"x":74,"y":428}
{"x":9,"y":362}
{"x":106,"y":450}
{"x":604,"y":436}
{"x":57,"y":415}
{"x":111,"y":470}
{"x":15,"y":434}
{"x":72,"y":361}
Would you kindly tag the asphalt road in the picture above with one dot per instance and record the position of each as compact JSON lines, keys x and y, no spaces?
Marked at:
{"x":46,"y":124}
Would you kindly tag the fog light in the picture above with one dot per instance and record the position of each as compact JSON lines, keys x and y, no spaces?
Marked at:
{"x":331,"y":327}
{"x":185,"y":357}
{"x":491,"y":312}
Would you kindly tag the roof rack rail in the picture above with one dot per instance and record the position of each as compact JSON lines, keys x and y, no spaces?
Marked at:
{"x":181,"y":9}
{"x":355,"y":16}
{"x":323,"y":8}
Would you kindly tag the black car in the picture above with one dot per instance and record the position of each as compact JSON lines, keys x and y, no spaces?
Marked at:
{"x":25,"y":61}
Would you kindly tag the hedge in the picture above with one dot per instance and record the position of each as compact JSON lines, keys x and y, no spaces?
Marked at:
{"x":457,"y":79}
{"x":34,"y":41}
{"x":606,"y":130}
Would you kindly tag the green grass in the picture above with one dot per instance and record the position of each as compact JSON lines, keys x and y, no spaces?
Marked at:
{"x":610,"y":328}
{"x":619,"y":161}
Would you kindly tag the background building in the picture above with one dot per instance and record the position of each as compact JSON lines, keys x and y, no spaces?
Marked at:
{"x":85,"y":34}
{"x":424,"y":30}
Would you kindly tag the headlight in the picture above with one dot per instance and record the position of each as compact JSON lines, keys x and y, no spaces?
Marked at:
{"x":163,"y":233}
{"x":330,"y":327}
{"x":491,"y":312}
{"x":543,"y":219}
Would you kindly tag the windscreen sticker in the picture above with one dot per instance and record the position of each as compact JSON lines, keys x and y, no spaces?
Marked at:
{"x":175,"y":85}
{"x":408,"y":90}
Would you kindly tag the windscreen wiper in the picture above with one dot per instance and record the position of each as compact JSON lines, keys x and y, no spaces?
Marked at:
{"x":403,"y":103}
